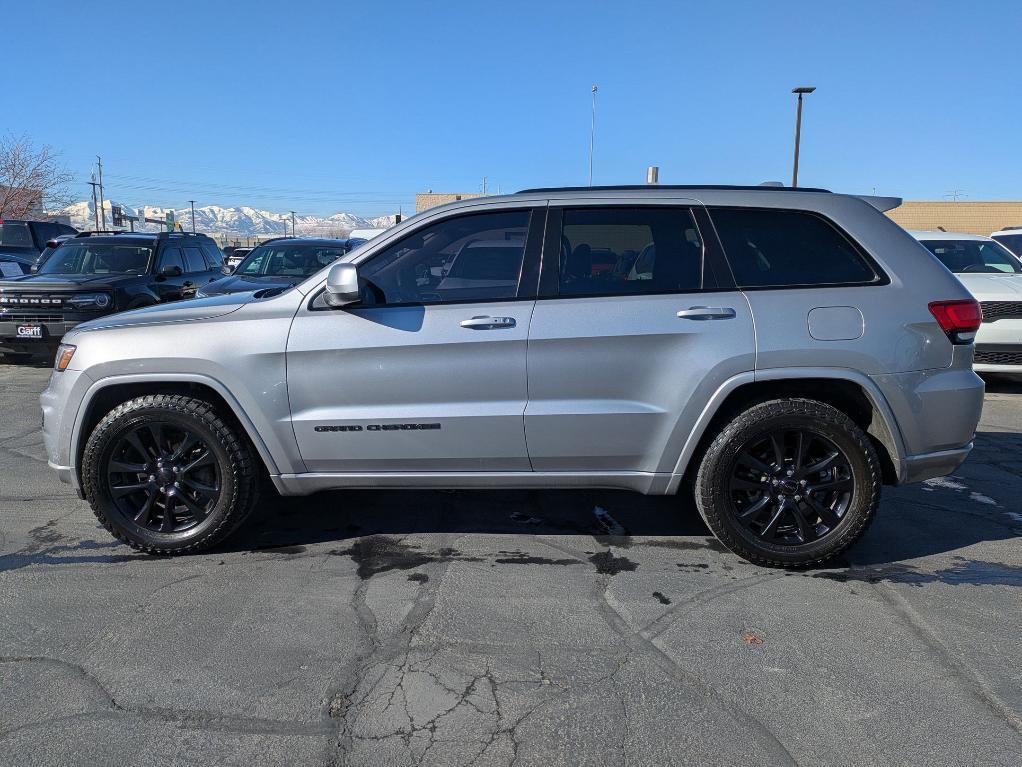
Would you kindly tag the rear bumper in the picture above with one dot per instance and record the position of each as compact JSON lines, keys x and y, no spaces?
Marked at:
{"x":916,"y":468}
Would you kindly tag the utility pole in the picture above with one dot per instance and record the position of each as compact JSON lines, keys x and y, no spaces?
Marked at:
{"x":293,"y":224}
{"x":192,"y":203}
{"x":592,"y":138}
{"x":798,"y":130}
{"x":95,"y":207}
{"x":102,"y":205}
{"x":484,"y":186}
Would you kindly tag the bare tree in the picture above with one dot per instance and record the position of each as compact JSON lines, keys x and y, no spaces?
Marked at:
{"x":32,"y":180}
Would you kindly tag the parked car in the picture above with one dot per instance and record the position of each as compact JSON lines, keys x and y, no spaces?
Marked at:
{"x":93,"y":275}
{"x":22,"y":241}
{"x":235,"y":256}
{"x":1011,"y":238}
{"x":51,"y":246}
{"x":278,"y":265}
{"x":993,"y":274}
{"x":781,"y":355}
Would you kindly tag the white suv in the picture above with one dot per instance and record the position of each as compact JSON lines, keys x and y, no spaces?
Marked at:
{"x":1011,"y":238}
{"x":993,"y":275}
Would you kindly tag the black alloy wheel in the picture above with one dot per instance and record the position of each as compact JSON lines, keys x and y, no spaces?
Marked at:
{"x":163,"y":477}
{"x":791,"y":486}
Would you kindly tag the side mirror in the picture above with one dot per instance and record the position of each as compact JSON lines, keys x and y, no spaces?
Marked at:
{"x":225,"y":269}
{"x":171,"y":271}
{"x":342,"y":286}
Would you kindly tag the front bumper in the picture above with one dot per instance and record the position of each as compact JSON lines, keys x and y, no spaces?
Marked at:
{"x":998,"y":357}
{"x":52,"y":331}
{"x":60,"y":402}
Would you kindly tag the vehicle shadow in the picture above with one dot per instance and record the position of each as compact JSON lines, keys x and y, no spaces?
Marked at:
{"x":337,"y":516}
{"x":1002,"y":383}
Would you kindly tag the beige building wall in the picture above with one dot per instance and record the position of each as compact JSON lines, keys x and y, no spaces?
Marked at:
{"x":426,"y":200}
{"x":972,"y":217}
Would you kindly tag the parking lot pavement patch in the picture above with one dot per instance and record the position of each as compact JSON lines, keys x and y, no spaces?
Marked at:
{"x":661,"y":598}
{"x":963,"y":572}
{"x":607,"y":564}
{"x":523,"y":559}
{"x":378,"y":554}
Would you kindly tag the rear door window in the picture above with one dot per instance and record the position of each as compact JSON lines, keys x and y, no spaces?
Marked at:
{"x":172,"y":257}
{"x":625,"y":251}
{"x":788,"y":248}
{"x":194,"y":260}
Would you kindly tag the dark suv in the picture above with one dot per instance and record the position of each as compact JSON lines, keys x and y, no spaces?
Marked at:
{"x":98,"y":273}
{"x":21,"y":242}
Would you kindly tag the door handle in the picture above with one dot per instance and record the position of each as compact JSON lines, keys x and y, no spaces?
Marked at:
{"x":488,"y":323}
{"x":707,"y":313}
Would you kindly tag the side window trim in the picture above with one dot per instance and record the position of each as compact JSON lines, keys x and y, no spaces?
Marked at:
{"x":715,"y":274}
{"x":880,"y":277}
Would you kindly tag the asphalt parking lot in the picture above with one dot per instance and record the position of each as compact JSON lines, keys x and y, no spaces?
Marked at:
{"x":498,"y":628}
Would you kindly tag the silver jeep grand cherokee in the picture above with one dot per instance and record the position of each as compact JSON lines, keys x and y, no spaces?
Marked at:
{"x":777,"y":353}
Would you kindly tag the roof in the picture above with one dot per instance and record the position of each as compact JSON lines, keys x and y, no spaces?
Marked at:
{"x":938,"y":235}
{"x":662,"y":187}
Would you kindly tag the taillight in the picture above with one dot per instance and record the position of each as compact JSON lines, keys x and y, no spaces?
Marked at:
{"x":959,"y":319}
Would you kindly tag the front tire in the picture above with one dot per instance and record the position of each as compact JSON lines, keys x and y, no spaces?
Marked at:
{"x":166,"y":474}
{"x":789,"y":483}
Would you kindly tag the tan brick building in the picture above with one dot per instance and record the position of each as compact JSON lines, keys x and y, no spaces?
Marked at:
{"x":430,"y":199}
{"x":972,"y":217}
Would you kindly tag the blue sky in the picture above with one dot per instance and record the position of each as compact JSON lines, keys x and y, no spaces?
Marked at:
{"x":326,"y":106}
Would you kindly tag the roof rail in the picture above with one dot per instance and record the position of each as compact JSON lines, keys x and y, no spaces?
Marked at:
{"x":654,"y":187}
{"x":108,"y":232}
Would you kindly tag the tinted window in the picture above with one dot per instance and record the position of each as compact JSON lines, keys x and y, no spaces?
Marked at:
{"x":629,"y":250}
{"x":974,"y":256}
{"x":172,"y":257}
{"x":84,"y":257}
{"x":194,"y":260}
{"x":1012,"y":242}
{"x":468,"y":258}
{"x":288,"y":259}
{"x":15,"y":236}
{"x":214,"y":258}
{"x":777,"y":248}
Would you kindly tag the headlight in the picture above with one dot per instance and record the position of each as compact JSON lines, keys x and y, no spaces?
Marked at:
{"x":85,"y":300}
{"x":64,"y":354}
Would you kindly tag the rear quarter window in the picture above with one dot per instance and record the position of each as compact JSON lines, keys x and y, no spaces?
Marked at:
{"x":789,"y":248}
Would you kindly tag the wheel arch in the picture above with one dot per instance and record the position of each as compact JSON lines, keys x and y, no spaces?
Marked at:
{"x":107,"y":393}
{"x":849,"y":391}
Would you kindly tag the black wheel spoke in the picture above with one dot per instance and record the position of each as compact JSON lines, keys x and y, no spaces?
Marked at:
{"x":163,"y":477}
{"x":801,"y":443}
{"x":747,"y":459}
{"x":737,"y":483}
{"x":754,"y":508}
{"x":805,"y":531}
{"x":822,"y":464}
{"x":827,"y":515}
{"x":184,"y":447}
{"x":119,"y":491}
{"x":198,"y":511}
{"x":768,"y":530}
{"x":146,"y":511}
{"x":777,"y":444}
{"x":204,"y":459}
{"x":123,"y":467}
{"x":133,"y":440}
{"x":836,"y":485}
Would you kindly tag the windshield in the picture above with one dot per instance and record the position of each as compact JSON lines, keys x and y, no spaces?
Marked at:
{"x":99,"y":258}
{"x":289,"y":259}
{"x":974,"y":256}
{"x":1012,"y":242}
{"x":15,"y":237}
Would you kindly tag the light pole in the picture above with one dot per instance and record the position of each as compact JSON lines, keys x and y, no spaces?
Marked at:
{"x":293,"y":234}
{"x":192,"y":203}
{"x":592,"y":138}
{"x":798,"y":129}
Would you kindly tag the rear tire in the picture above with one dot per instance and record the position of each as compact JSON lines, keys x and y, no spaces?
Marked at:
{"x":789,"y":483}
{"x":166,"y":474}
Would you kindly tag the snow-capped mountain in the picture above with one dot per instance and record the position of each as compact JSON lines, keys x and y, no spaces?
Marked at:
{"x":239,"y":222}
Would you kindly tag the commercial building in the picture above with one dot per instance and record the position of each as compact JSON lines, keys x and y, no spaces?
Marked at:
{"x":430,"y":199}
{"x":973,"y":217}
